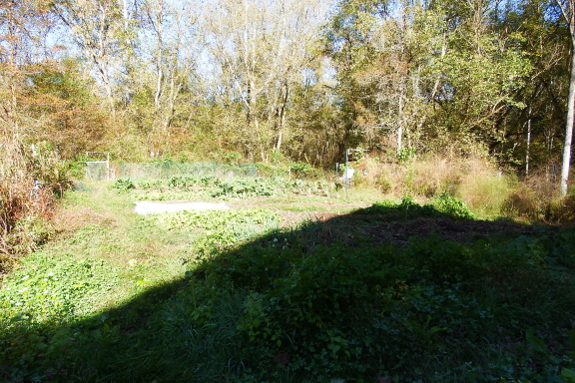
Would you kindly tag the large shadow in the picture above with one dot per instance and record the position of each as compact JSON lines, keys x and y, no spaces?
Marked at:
{"x":389,"y":291}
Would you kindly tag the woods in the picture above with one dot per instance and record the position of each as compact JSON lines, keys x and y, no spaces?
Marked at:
{"x":149,"y":80}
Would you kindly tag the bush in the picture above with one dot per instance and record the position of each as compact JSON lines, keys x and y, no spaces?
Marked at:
{"x":523,"y":203}
{"x":301,"y":169}
{"x":452,"y":206}
{"x":561,"y":211}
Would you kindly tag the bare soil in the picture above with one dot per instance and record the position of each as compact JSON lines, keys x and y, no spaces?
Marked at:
{"x":358,"y":225}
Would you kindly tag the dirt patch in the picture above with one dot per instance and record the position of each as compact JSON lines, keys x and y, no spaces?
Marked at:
{"x":359,"y":226}
{"x":447,"y":229}
{"x":294,"y":218}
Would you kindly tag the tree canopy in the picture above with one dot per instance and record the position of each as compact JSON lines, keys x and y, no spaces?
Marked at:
{"x":147,"y":79}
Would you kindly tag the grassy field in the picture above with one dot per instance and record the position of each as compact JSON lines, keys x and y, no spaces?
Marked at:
{"x":294,"y":283}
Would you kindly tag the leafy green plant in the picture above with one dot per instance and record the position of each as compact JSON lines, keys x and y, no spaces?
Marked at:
{"x":452,"y":206}
{"x":146,"y":184}
{"x":123,"y":185}
{"x":244,"y":188}
{"x":301,"y":169}
{"x":406,"y":154}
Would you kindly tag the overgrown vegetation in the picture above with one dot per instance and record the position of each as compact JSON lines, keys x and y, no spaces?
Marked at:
{"x":234,"y":295}
{"x":453,"y":109}
{"x":30,"y":180}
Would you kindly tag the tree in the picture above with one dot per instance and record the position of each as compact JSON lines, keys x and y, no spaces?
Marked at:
{"x":530,"y":133}
{"x":259,"y":50}
{"x":568,"y":10}
{"x":425,"y":72}
{"x":167,"y":64}
{"x":483,"y":70}
{"x":99,"y":29}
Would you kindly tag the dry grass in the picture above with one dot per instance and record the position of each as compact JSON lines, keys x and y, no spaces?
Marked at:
{"x":24,"y":209}
{"x":477,"y":182}
{"x":536,"y":199}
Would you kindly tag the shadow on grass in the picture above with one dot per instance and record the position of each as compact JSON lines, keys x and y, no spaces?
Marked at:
{"x":387,"y":293}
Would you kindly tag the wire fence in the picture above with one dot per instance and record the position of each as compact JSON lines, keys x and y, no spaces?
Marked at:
{"x":168,"y":169}
{"x":97,"y":170}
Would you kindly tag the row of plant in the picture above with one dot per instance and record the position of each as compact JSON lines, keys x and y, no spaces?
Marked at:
{"x":211,"y":186}
{"x":304,"y":305}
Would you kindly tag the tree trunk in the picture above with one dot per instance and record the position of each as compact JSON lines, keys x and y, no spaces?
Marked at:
{"x":568,"y":127}
{"x":528,"y":144}
{"x":282,"y":113}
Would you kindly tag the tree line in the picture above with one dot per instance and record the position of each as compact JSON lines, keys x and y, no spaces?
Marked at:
{"x":301,"y":79}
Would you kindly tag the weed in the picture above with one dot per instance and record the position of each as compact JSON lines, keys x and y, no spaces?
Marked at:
{"x":123,"y":185}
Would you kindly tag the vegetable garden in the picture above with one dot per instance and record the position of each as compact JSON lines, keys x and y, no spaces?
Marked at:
{"x":358,"y":291}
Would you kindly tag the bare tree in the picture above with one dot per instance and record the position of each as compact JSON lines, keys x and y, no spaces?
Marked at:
{"x":100,"y":29}
{"x":261,"y":48}
{"x":171,"y":49}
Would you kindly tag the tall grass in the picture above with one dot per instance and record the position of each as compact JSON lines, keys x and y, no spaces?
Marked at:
{"x":487,"y":190}
{"x":477,"y":182}
{"x":30,"y":179}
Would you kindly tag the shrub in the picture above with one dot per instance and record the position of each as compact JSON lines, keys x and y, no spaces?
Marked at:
{"x":452,"y":206}
{"x":561,"y":211}
{"x":484,"y":189}
{"x":300,"y":169}
{"x":522,"y":202}
{"x":434,"y":176}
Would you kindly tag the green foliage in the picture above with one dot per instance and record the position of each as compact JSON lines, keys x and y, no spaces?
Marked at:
{"x":338,"y":313}
{"x":123,"y":185}
{"x":301,"y":169}
{"x":146,"y":184}
{"x":187,"y":181}
{"x":216,"y":230}
{"x":561,"y":211}
{"x":231,"y":157}
{"x":406,"y":154}
{"x":444,"y":205}
{"x":243,"y":188}
{"x":208,"y":186}
{"x":452,"y":206}
{"x":49,"y":291}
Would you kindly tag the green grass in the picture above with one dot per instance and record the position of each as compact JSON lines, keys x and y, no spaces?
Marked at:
{"x":227,"y":296}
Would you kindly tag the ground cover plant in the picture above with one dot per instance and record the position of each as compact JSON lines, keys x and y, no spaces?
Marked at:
{"x":180,"y":187}
{"x":399,"y":291}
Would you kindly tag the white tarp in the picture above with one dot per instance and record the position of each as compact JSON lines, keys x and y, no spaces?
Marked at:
{"x":150,"y":207}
